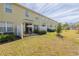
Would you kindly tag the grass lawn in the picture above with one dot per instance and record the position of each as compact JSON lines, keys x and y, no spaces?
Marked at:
{"x":44,"y":45}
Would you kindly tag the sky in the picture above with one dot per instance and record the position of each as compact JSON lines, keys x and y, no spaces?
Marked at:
{"x":61,"y":12}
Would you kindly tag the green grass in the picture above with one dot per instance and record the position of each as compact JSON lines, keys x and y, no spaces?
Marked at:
{"x":43,"y":45}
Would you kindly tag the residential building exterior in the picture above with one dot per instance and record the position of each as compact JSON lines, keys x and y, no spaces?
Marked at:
{"x":21,"y":20}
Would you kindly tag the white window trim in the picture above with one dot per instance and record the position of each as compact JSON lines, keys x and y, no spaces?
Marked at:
{"x":4,"y":7}
{"x":26,"y":13}
{"x":6,"y":26}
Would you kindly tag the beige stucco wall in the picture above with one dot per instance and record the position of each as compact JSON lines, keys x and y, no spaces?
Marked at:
{"x":42,"y":20}
{"x":51,"y":23}
{"x":17,"y":17}
{"x":33,"y":18}
{"x":1,"y":11}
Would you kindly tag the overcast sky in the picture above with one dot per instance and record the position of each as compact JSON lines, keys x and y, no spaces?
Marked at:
{"x":62,"y":12}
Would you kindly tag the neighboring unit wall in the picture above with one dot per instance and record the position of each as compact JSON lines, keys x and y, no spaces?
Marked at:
{"x":43,"y":20}
{"x":51,"y":23}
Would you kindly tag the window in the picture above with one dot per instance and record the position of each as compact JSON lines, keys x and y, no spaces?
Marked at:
{"x":8,"y":7}
{"x":44,"y":25}
{"x":2,"y":27}
{"x":50,"y":25}
{"x":26,"y":14}
{"x":9,"y":27}
{"x":35,"y":27}
{"x":6,"y":27}
{"x":37,"y":18}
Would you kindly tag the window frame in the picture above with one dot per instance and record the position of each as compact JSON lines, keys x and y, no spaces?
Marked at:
{"x":8,"y":6}
{"x":26,"y":13}
{"x":4,"y":26}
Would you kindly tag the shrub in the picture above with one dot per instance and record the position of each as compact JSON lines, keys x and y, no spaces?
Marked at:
{"x":10,"y":33}
{"x":36,"y":31}
{"x":51,"y":30}
{"x":11,"y":37}
{"x":40,"y":32}
{"x":3,"y":38}
{"x":7,"y":37}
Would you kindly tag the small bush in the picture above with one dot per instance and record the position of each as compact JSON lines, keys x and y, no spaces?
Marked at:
{"x":35,"y":31}
{"x":3,"y":38}
{"x":7,"y":37}
{"x":11,"y":37}
{"x":51,"y":30}
{"x":40,"y":32}
{"x":8,"y":33}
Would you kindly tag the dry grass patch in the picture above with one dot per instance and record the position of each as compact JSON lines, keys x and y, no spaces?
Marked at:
{"x":43,"y":45}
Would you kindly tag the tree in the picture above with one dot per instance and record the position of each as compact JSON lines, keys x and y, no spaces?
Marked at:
{"x":65,"y":26}
{"x":77,"y":25}
{"x":59,"y":28}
